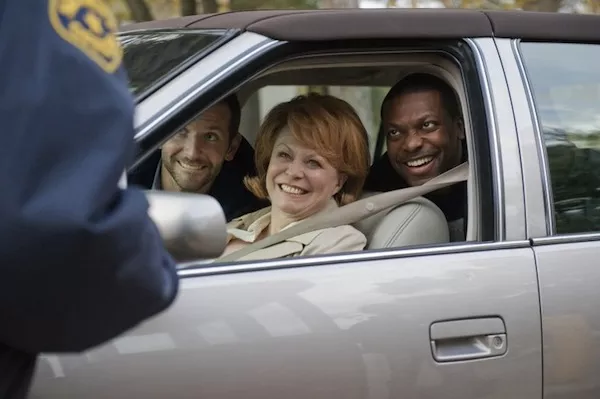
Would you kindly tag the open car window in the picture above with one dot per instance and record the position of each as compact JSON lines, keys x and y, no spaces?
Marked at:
{"x":360,"y":77}
{"x":151,"y":58}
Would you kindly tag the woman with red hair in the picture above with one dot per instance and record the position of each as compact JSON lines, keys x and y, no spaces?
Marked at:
{"x":311,"y":156}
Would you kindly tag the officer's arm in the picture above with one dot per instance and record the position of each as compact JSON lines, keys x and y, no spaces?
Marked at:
{"x":80,"y":261}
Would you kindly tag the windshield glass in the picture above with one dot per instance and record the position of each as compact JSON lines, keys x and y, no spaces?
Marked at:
{"x":150,"y":57}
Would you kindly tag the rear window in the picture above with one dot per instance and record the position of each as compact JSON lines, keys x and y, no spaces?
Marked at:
{"x":152,"y":57}
{"x":565,"y":80}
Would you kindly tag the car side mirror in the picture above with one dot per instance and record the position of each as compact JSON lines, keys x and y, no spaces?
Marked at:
{"x":192,"y":226}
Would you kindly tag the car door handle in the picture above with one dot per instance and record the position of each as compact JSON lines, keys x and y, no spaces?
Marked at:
{"x":468,"y":339}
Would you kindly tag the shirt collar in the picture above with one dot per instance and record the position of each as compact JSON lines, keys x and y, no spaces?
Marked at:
{"x":253,"y":231}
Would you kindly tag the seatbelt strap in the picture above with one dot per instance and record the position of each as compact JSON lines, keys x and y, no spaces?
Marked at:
{"x":357,"y":210}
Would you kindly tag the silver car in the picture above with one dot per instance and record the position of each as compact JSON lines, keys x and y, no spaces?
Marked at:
{"x":509,"y":313}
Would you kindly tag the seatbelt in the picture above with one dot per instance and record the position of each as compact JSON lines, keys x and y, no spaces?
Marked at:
{"x":357,"y":210}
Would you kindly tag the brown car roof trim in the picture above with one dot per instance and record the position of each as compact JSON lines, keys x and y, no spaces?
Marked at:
{"x":392,"y":23}
{"x":375,"y":24}
{"x":550,"y":26}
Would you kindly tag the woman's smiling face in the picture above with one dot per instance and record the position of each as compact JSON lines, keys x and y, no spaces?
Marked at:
{"x":299,"y":181}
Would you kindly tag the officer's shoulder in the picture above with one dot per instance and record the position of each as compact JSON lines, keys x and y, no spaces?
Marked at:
{"x":90,"y":27}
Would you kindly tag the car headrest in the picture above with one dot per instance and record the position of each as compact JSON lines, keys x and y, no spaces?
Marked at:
{"x":417,"y":222}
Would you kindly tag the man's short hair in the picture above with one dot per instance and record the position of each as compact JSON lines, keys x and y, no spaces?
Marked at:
{"x":420,"y":82}
{"x":232,"y":102}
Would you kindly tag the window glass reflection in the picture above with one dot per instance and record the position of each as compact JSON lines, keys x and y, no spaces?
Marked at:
{"x":565,"y":80}
{"x":151,"y":56}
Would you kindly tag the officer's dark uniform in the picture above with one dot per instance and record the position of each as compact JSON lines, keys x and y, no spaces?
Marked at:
{"x":80,"y":261}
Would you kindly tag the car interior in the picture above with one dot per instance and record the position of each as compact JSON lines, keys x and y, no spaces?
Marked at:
{"x":418,"y":222}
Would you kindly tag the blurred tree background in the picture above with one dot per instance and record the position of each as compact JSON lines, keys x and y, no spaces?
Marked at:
{"x":144,"y":10}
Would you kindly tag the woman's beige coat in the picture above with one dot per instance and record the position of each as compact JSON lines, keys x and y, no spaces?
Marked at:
{"x":325,"y":241}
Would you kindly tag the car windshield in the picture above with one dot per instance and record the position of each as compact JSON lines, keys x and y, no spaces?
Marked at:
{"x":150,"y":57}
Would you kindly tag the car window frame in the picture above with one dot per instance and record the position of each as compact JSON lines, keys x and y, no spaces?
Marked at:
{"x":477,"y":113}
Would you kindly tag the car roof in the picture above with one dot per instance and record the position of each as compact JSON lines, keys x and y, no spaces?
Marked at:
{"x":392,"y":23}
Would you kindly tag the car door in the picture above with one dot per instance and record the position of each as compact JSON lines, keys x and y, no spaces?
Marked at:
{"x":563,"y":87}
{"x":458,"y":320}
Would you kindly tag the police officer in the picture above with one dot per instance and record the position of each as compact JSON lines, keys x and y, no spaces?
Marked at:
{"x":80,"y":260}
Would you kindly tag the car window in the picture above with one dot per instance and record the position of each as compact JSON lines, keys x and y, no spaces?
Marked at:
{"x":150,"y":56}
{"x":565,"y":81}
{"x":258,"y":94}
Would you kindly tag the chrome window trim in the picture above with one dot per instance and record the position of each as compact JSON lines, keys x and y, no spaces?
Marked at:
{"x":497,"y":168}
{"x":535,"y":215}
{"x":176,"y":93}
{"x":566,"y":239}
{"x":342,"y":259}
{"x":541,"y":146}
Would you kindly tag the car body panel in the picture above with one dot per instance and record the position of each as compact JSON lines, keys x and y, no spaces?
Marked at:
{"x":354,"y":330}
{"x":531,"y":148}
{"x":510,"y":210}
{"x":568,"y":278}
{"x":567,"y":262}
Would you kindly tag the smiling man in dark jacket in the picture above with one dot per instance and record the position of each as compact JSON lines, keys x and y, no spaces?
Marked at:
{"x":422,"y":121}
{"x":208,"y":156}
{"x":80,"y":260}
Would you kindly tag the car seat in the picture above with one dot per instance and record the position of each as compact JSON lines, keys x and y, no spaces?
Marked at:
{"x":417,"y":222}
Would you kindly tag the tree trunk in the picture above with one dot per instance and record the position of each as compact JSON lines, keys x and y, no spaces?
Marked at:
{"x":139,"y":10}
{"x":209,"y":6}
{"x":188,"y":7}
